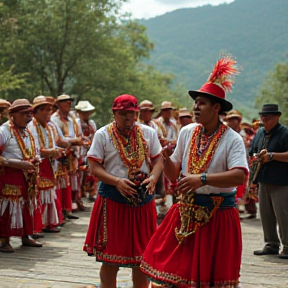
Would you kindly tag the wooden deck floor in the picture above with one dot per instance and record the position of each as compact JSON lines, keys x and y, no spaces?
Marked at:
{"x":60,"y":263}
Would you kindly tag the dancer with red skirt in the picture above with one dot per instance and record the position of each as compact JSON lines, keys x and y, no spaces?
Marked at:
{"x":199,"y":243}
{"x":19,"y":171}
{"x":43,"y":134}
{"x":126,"y":157}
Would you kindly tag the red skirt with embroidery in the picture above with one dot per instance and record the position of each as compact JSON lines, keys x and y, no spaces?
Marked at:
{"x":119,"y":233}
{"x":16,"y":219}
{"x":64,"y":192}
{"x":211,"y":256}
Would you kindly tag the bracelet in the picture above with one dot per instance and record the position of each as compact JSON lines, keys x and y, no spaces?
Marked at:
{"x":270,"y":156}
{"x":203,"y":179}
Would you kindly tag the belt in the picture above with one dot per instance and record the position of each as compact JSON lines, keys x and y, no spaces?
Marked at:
{"x":110,"y":192}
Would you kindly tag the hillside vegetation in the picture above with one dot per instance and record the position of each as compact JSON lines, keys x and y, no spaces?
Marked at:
{"x":188,"y":42}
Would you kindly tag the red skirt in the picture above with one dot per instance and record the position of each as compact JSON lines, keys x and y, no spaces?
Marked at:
{"x":211,"y":256}
{"x":16,"y":218}
{"x":119,"y":233}
{"x":64,"y":192}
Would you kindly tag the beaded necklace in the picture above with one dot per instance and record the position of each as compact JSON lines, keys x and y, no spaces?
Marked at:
{"x":65,"y":127}
{"x":27,"y":153}
{"x":41,"y":136}
{"x":133,"y":150}
{"x":202,"y":148}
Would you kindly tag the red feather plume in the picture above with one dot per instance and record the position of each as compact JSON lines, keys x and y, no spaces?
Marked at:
{"x":223,"y":72}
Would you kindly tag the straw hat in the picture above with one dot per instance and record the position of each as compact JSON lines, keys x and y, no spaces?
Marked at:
{"x":166,"y":105}
{"x":41,"y":100}
{"x":184,"y":112}
{"x":22,"y":105}
{"x":146,"y":105}
{"x":84,"y":106}
{"x":233,"y":114}
{"x":64,"y":97}
{"x":4,"y":103}
{"x":51,"y":99}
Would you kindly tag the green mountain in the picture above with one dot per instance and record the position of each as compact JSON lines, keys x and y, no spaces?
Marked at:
{"x":189,"y":41}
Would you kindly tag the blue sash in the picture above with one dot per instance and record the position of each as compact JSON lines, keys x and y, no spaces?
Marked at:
{"x":207,"y":201}
{"x":110,"y":192}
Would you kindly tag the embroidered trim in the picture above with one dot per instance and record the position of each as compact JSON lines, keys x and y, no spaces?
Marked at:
{"x":165,"y":278}
{"x":95,"y":159}
{"x":44,"y":183}
{"x":11,"y":190}
{"x":102,"y":257}
{"x":194,"y":216}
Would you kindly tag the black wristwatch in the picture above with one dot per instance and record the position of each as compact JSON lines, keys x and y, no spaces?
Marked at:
{"x":203,"y":179}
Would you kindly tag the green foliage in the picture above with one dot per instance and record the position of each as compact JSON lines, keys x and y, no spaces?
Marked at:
{"x":275,"y":90}
{"x":83,"y":48}
{"x":10,"y":81}
{"x":188,"y":42}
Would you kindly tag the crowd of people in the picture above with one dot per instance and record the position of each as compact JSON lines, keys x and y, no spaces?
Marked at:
{"x":44,"y":172}
{"x":168,"y":186}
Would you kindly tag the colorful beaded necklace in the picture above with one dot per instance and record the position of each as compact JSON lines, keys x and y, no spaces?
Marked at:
{"x":27,"y":153}
{"x":41,"y":136}
{"x":65,"y":127}
{"x":133,"y":149}
{"x":202,"y":148}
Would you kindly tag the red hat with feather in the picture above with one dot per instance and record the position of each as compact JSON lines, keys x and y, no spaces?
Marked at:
{"x":220,"y":81}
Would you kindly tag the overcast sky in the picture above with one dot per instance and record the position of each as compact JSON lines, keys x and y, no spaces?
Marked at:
{"x":151,"y":8}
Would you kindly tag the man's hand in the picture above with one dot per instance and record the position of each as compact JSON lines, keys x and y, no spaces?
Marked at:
{"x":189,"y":183}
{"x":263,"y":156}
{"x":27,"y":165}
{"x":167,"y":151}
{"x":151,"y":181}
{"x":124,"y":186}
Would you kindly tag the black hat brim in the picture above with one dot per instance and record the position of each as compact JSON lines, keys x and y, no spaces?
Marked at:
{"x":270,"y":113}
{"x":226,"y":105}
{"x":65,"y":100}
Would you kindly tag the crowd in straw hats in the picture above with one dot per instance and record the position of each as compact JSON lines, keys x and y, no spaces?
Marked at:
{"x":166,"y":182}
{"x":44,"y":173}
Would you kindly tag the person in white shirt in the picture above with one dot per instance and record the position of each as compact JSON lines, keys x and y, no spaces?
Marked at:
{"x":126,"y":157}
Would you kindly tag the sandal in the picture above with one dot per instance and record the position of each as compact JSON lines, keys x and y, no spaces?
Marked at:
{"x":6,"y":248}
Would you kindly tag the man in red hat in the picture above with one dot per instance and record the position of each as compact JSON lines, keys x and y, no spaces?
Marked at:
{"x":126,"y":158}
{"x":201,"y":234}
{"x":18,"y":177}
{"x":70,"y":131}
{"x":271,"y":145}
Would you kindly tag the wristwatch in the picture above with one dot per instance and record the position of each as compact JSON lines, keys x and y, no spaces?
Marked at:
{"x":270,"y":156}
{"x":203,"y":179}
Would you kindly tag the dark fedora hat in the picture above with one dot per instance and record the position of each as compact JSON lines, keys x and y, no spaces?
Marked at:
{"x":270,"y":109}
